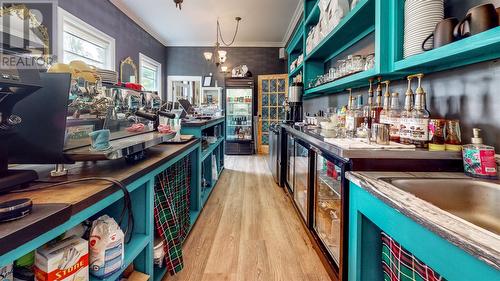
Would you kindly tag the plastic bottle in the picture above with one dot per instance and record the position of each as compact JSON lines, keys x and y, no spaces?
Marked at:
{"x":479,"y":159}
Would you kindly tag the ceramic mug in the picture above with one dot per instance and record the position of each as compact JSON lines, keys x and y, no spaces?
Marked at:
{"x":443,"y":34}
{"x":100,"y":140}
{"x":477,"y":20}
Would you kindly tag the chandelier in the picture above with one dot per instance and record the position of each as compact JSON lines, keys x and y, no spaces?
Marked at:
{"x":220,"y":56}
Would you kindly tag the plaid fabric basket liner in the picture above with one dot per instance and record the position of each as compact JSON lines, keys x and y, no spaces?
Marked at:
{"x":171,"y":211}
{"x":400,"y":265}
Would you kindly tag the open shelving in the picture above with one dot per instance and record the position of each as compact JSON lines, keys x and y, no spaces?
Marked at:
{"x":385,"y":21}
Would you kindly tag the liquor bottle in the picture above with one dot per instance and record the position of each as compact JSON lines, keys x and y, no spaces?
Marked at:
{"x":387,"y":104}
{"x":394,"y":118}
{"x":419,"y":124}
{"x":404,"y":127}
{"x":378,"y":103}
{"x":349,"y":118}
{"x":358,"y":112}
{"x":367,"y":109}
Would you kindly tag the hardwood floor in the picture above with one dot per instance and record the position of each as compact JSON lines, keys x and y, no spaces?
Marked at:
{"x":249,"y":230}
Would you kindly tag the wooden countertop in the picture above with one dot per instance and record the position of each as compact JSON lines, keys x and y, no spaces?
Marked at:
{"x":66,"y":201}
{"x":473,"y":239}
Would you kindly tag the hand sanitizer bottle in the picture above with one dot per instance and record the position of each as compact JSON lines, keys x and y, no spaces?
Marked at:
{"x":479,"y":159}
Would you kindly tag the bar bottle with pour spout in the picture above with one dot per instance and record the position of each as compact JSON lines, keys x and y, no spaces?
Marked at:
{"x":394,"y":118}
{"x":420,"y":116}
{"x":384,"y":113}
{"x":404,"y":126}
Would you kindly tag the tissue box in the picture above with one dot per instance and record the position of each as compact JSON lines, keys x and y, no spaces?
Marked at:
{"x":65,"y":260}
{"x":6,"y":273}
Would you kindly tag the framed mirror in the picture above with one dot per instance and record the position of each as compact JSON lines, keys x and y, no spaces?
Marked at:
{"x":128,"y":71}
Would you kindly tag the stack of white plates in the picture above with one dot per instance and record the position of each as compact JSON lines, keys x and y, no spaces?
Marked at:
{"x":421,"y":18}
{"x":108,"y":76}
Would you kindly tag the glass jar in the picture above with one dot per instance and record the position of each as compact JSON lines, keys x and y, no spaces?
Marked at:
{"x":349,"y":65}
{"x":358,"y":63}
{"x":369,"y":61}
{"x":341,"y":68}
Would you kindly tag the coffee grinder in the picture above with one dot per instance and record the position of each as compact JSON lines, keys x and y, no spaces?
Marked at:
{"x":293,"y":104}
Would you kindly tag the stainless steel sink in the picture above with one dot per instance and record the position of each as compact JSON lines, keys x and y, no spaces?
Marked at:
{"x":477,"y":202}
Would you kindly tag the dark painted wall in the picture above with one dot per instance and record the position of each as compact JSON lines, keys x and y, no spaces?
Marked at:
{"x":130,"y":39}
{"x":190,"y":61}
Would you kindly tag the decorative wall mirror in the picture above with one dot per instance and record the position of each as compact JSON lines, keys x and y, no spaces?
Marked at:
{"x":128,"y":71}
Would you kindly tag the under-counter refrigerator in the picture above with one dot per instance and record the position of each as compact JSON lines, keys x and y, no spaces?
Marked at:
{"x":240,"y":139}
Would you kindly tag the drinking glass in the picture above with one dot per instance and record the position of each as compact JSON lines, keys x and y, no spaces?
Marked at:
{"x":341,"y":68}
{"x":349,"y":65}
{"x":358,"y":63}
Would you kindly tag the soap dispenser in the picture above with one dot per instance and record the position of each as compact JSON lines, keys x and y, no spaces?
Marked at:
{"x":479,"y":159}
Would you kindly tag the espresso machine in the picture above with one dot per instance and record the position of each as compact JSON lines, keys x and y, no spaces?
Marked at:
{"x":15,"y":85}
{"x":293,"y":104}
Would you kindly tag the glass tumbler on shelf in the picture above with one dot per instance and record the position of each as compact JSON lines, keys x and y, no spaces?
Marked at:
{"x":369,"y":61}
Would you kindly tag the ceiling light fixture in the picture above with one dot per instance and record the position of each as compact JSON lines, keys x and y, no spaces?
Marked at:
{"x":178,"y":4}
{"x":221,"y":55}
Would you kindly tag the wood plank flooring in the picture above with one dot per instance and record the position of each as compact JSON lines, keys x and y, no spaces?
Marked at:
{"x":249,"y":230}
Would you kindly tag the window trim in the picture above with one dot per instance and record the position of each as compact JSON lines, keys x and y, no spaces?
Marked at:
{"x":86,"y":32}
{"x":143,"y":59}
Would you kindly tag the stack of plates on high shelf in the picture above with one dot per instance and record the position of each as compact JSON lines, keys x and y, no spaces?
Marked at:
{"x":421,"y":18}
{"x":108,"y":76}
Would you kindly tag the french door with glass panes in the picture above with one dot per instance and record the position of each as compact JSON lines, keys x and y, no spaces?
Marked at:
{"x":273,"y":90}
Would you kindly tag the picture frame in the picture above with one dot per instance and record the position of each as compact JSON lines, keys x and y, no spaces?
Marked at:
{"x":207,"y":81}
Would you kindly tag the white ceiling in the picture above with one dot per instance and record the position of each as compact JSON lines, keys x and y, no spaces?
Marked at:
{"x":266,"y":23}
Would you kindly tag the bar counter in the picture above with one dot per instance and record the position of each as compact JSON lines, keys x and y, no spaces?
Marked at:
{"x":55,"y":206}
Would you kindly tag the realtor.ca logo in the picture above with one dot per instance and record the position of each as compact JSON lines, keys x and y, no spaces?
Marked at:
{"x":27,"y":34}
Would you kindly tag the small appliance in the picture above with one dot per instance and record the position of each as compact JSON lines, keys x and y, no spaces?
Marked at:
{"x":293,"y":105}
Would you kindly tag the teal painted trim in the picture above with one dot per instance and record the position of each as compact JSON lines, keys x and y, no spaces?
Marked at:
{"x":351,"y":43}
{"x":357,"y":80}
{"x":205,"y":153}
{"x":132,"y":250}
{"x":481,"y":47}
{"x":451,"y":262}
{"x":355,"y":22}
{"x":383,"y":35}
{"x":296,"y":43}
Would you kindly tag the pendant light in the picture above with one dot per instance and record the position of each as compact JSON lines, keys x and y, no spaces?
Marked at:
{"x":178,"y":4}
{"x":221,"y":55}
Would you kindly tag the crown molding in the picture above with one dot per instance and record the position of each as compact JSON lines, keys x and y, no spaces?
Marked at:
{"x":235,"y":45}
{"x":299,"y":11}
{"x":122,"y":7}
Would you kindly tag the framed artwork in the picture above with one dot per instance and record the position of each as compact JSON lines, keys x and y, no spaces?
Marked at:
{"x":207,"y":81}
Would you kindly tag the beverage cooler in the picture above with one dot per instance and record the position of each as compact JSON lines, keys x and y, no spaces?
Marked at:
{"x":239,"y":116}
{"x":316,"y":182}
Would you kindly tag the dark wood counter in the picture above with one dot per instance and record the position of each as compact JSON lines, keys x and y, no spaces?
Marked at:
{"x":53,"y":206}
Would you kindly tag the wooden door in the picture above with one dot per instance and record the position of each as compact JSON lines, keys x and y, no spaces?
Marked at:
{"x":273,"y":90}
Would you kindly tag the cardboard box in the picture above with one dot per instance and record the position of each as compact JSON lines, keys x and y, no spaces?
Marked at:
{"x":65,"y":260}
{"x":138,"y":276}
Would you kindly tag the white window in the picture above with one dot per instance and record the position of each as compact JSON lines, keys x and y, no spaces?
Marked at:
{"x":149,"y":73}
{"x":77,"y":40}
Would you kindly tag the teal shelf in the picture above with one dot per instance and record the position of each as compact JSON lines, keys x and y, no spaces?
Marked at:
{"x":296,"y":70}
{"x":210,"y":149}
{"x":193,"y":216}
{"x":313,"y":16}
{"x":132,"y":250}
{"x":353,"y":81}
{"x":357,"y":22}
{"x":481,"y":47}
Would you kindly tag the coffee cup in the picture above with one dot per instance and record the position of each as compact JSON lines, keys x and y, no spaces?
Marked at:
{"x":477,"y":20}
{"x":443,"y":34}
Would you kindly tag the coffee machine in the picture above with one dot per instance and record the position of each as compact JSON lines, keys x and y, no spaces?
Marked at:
{"x":293,"y":104}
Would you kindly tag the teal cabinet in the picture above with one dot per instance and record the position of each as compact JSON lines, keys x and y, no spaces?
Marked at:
{"x":369,"y":216}
{"x":384,"y":21}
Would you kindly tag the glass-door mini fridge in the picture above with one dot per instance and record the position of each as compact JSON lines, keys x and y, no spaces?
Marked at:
{"x":239,"y":117}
